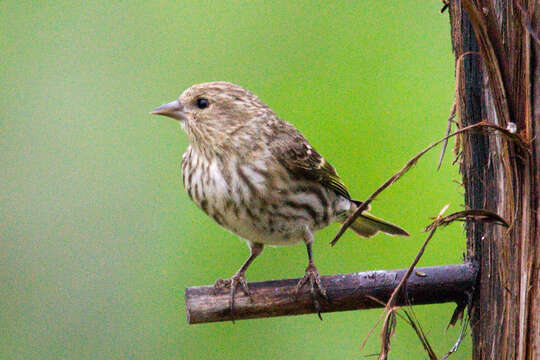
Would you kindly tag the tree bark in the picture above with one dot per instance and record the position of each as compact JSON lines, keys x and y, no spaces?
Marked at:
{"x":498,"y":80}
{"x":365,"y":290}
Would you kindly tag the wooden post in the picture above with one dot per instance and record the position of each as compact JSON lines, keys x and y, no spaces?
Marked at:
{"x":498,"y":80}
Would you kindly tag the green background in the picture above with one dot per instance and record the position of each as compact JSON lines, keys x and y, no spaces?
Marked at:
{"x":98,"y":237}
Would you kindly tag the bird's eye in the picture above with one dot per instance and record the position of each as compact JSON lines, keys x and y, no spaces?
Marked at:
{"x":202,"y":103}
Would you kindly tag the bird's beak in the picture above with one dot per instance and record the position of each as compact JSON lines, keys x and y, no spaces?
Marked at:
{"x":173,"y":110}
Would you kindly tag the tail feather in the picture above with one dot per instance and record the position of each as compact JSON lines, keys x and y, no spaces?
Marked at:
{"x":368,"y":225}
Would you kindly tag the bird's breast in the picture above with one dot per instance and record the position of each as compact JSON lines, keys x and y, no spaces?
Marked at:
{"x":257,"y":202}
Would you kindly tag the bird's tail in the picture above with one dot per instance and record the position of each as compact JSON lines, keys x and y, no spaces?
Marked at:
{"x":368,"y":225}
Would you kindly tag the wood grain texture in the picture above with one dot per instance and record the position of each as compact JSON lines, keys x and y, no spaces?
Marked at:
{"x":428,"y":285}
{"x":498,"y":83}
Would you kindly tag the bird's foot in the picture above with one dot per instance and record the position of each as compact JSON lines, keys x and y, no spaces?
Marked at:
{"x":238,"y":280}
{"x":312,"y":278}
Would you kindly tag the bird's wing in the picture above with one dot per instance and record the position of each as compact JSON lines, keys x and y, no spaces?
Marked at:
{"x":301,"y":160}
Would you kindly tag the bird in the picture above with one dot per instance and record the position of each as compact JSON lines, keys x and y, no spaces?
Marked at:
{"x":257,"y":176}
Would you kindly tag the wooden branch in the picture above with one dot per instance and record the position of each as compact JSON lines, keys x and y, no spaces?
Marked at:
{"x":364,"y":290}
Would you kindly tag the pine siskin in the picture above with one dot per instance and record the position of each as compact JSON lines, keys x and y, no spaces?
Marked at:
{"x":258,"y":177}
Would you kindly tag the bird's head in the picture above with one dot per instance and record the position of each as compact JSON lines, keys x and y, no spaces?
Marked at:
{"x":217,"y":113}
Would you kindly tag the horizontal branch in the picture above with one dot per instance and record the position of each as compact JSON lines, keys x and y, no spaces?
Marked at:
{"x":364,"y":290}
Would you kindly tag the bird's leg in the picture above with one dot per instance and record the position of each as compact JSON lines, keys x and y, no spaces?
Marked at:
{"x":239,"y":278}
{"x":312,"y":277}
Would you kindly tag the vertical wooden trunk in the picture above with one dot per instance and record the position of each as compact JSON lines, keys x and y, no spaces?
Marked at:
{"x":498,"y":80}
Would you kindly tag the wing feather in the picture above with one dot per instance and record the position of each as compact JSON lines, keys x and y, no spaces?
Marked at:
{"x":300,"y":159}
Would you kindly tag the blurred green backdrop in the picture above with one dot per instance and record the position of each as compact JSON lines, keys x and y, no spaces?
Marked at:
{"x":99,"y":239}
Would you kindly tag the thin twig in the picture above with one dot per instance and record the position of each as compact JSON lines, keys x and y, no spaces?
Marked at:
{"x":460,"y":338}
{"x":390,"y":308}
{"x":448,"y":129}
{"x":385,"y":343}
{"x":364,"y":205}
{"x":389,"y":326}
{"x":445,"y":6}
{"x":419,"y":330}
{"x":392,"y":300}
{"x":476,"y":214}
{"x":463,"y":331}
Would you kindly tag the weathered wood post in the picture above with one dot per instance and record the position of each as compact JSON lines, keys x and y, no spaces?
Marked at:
{"x":498,"y":76}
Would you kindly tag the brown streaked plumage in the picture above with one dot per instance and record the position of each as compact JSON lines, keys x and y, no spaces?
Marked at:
{"x":258,"y":177}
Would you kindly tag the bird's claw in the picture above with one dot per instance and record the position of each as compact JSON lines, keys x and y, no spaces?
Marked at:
{"x":237,"y":280}
{"x":317,"y":291}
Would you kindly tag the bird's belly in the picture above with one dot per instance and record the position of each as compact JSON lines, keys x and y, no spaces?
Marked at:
{"x":242,"y":200}
{"x":255,"y":220}
{"x":279,"y":219}
{"x":264,"y":230}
